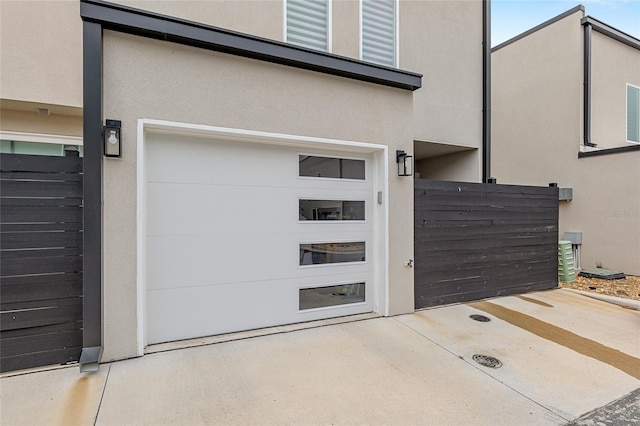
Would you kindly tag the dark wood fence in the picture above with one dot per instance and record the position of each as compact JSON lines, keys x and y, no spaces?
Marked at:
{"x":41,"y":260}
{"x":474,"y":241}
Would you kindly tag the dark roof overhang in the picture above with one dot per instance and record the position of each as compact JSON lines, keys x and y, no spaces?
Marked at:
{"x":129,"y":20}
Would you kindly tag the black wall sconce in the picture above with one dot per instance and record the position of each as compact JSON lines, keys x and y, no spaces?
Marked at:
{"x":405,"y":163}
{"x":112,"y":140}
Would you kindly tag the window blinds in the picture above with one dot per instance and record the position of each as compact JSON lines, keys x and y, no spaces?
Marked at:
{"x":307,"y":23}
{"x":379,"y":31}
{"x":633,"y":114}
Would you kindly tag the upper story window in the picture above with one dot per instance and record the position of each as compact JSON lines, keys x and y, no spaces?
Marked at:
{"x":307,"y":23}
{"x":379,"y":32}
{"x":633,"y":113}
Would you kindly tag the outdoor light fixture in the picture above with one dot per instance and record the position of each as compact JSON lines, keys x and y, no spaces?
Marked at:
{"x":405,"y":163}
{"x":112,"y":140}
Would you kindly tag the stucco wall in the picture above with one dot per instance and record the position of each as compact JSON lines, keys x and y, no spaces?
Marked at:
{"x":613,"y":65}
{"x":536,"y":137}
{"x":537,"y":104}
{"x":443,"y":41}
{"x":458,"y":166}
{"x":345,"y":28}
{"x":41,"y":49}
{"x":256,"y":17}
{"x":204,"y":87}
{"x":31,"y":122}
{"x":606,"y":209}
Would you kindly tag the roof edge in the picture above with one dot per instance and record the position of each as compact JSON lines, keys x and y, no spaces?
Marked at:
{"x":608,"y":151}
{"x":120,"y":18}
{"x":578,"y":8}
{"x":612,"y":32}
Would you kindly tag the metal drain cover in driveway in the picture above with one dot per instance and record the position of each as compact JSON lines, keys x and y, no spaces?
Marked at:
{"x":487,"y":361}
{"x":480,"y":318}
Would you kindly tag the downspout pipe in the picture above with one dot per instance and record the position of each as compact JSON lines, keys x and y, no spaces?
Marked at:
{"x":486,"y":90}
{"x":586,"y":110}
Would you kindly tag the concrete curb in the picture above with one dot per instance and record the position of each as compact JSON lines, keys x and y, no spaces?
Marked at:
{"x":625,"y":303}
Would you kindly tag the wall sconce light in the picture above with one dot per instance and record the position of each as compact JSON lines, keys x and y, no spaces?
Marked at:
{"x":405,"y":163}
{"x":112,"y":138}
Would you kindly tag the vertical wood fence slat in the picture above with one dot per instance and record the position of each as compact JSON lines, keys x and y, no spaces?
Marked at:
{"x":474,"y":241}
{"x":41,"y":260}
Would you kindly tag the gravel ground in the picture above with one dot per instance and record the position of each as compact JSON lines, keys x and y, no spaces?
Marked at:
{"x":629,"y":288}
{"x":623,"y":412}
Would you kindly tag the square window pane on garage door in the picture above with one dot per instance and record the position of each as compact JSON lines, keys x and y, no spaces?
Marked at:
{"x":331,"y":210}
{"x":325,"y":253}
{"x":330,"y":167}
{"x":320,"y":297}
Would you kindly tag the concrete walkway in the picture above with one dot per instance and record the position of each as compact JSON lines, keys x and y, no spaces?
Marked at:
{"x":563,"y":355}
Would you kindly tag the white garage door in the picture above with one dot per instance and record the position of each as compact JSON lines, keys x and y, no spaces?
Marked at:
{"x":245,"y":235}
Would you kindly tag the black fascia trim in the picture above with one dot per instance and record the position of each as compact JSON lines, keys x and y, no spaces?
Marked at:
{"x":161,"y":27}
{"x":609,"y":151}
{"x":92,"y":186}
{"x":553,"y":20}
{"x":612,"y":32}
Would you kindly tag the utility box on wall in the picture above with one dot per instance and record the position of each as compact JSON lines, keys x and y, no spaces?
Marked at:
{"x":565,"y":194}
{"x":576,"y":243}
{"x":574,"y":237}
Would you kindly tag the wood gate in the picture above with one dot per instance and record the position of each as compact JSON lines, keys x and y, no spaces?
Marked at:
{"x":474,"y":241}
{"x":41,"y":265}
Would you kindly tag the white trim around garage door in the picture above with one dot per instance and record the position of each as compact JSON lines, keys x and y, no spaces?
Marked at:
{"x":380,"y":173}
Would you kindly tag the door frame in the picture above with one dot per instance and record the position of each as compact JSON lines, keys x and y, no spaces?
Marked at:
{"x":380,"y":181}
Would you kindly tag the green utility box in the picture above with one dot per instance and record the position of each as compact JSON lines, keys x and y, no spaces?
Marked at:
{"x":566,"y":271}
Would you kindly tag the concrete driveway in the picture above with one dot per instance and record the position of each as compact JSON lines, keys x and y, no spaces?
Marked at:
{"x":562,"y":355}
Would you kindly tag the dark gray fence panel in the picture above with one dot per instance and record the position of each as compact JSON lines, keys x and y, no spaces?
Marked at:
{"x":474,"y":241}
{"x":41,"y":260}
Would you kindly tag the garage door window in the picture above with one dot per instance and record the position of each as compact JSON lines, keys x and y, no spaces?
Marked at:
{"x":330,"y":167}
{"x":322,"y":210}
{"x":335,"y":295}
{"x":325,"y":253}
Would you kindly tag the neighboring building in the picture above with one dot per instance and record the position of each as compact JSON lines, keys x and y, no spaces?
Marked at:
{"x":257,"y":184}
{"x":565,"y":108}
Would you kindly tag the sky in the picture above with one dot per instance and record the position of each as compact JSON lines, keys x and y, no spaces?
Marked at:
{"x":512,"y":17}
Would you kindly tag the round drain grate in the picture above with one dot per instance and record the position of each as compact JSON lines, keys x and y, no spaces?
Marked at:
{"x":480,"y":318}
{"x":487,"y":361}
